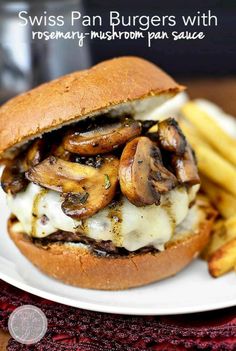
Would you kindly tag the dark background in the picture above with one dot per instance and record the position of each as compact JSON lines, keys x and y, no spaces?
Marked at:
{"x":214,"y":55}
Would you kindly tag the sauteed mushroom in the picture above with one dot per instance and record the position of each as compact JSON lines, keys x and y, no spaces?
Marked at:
{"x":60,"y":175}
{"x":171,"y":137}
{"x":88,"y":202}
{"x":186,"y":168}
{"x":13,"y":177}
{"x":87,"y":189}
{"x":102,"y":139}
{"x":35,"y":153}
{"x":60,"y":152}
{"x":143,"y":178}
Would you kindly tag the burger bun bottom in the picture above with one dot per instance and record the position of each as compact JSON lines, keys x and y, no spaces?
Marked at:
{"x":77,"y":265}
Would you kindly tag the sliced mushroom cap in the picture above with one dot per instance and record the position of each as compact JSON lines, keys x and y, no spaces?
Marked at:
{"x":143,"y":178}
{"x":60,"y":152}
{"x":101,"y":187}
{"x":98,"y":191}
{"x":161,"y":178}
{"x":93,"y":161}
{"x":186,"y":168}
{"x":90,"y":201}
{"x":87,"y":189}
{"x":102,"y":139}
{"x":60,"y":175}
{"x":35,"y":153}
{"x":13,"y":178}
{"x":171,"y":137}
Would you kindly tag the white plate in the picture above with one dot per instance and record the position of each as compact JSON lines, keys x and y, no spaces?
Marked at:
{"x":193,"y":290}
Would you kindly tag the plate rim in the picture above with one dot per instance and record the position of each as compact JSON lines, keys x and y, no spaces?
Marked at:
{"x":102,"y":308}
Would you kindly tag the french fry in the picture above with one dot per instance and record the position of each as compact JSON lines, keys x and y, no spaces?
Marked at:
{"x":218,"y":176}
{"x":211,"y":131}
{"x":221,"y":199}
{"x":223,"y":260}
{"x":191,"y":133}
{"x":213,"y":166}
{"x":223,"y":232}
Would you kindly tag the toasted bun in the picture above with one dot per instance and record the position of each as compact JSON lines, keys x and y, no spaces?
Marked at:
{"x":80,"y":94}
{"x":76,"y":265}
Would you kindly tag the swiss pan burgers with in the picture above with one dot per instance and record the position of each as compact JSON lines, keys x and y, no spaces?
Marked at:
{"x":101,"y":195}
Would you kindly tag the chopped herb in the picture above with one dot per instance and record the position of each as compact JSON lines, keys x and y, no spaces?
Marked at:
{"x":107,"y":182}
{"x":77,"y":198}
{"x":83,"y":197}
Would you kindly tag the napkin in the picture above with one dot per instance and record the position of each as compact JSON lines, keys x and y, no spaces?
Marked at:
{"x":73,"y":329}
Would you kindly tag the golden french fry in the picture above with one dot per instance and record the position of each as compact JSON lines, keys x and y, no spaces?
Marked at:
{"x":214,"y":166}
{"x":220,"y":198}
{"x":223,"y":260}
{"x":219,"y":183}
{"x":191,"y":132}
{"x":223,"y":232}
{"x":211,"y":131}
{"x":217,"y":234}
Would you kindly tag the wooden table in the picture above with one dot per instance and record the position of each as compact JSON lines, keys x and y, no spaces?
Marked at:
{"x":221,"y":91}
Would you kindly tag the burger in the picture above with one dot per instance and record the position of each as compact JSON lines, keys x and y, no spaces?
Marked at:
{"x":102,"y":194}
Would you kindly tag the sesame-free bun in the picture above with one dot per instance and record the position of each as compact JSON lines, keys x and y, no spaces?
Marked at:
{"x":76,"y":265}
{"x":115,"y":82}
